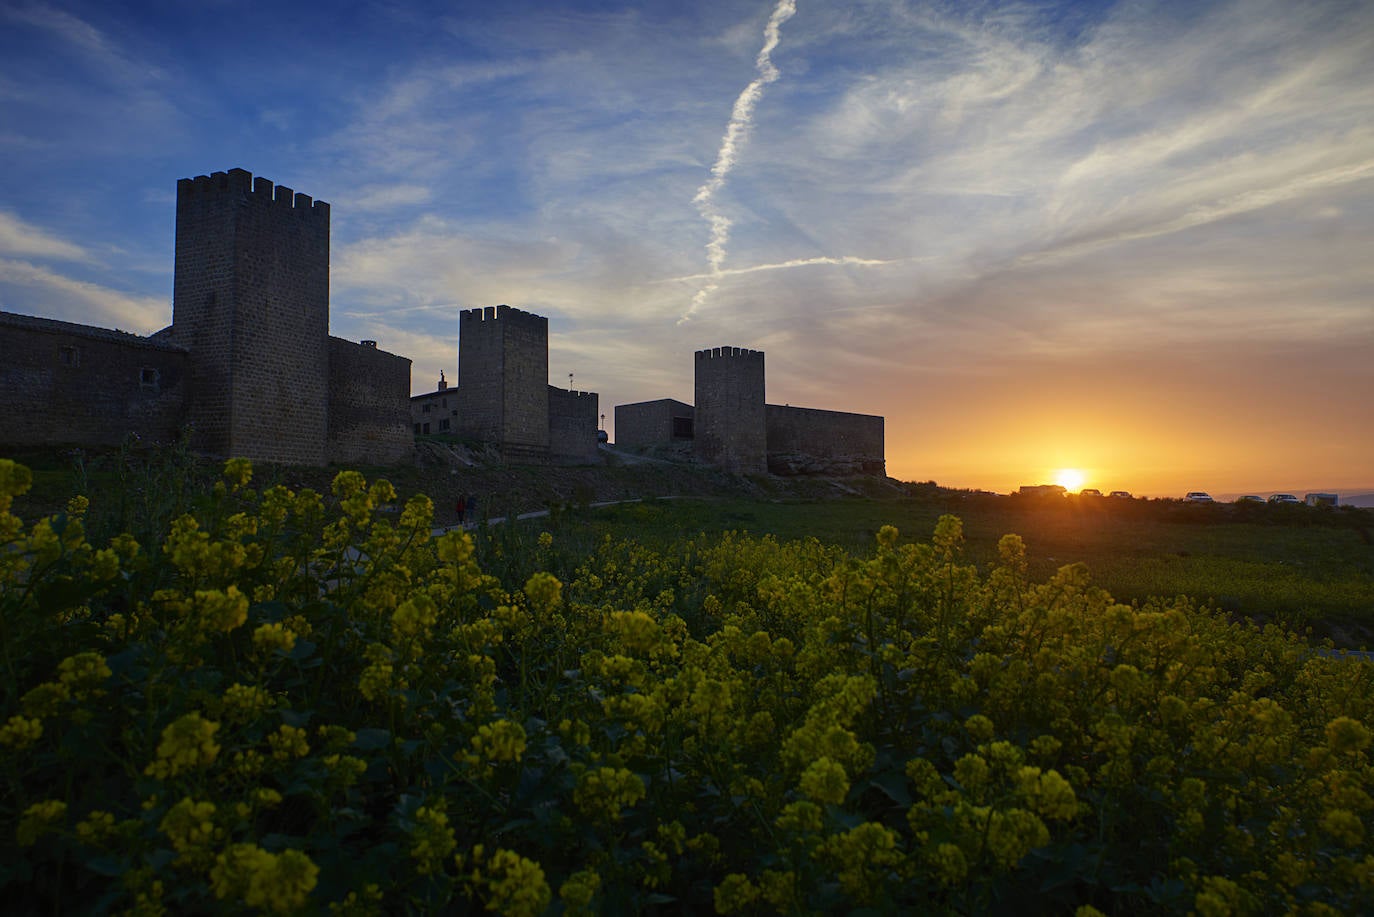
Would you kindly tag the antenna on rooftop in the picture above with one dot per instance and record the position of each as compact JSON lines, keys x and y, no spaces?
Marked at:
{"x":570,"y":385}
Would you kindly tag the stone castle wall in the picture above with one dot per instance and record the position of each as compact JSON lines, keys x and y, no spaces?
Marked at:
{"x":251,"y":301}
{"x":369,"y":405}
{"x":650,"y":423}
{"x":810,"y":441}
{"x":572,"y":425}
{"x":68,"y":384}
{"x":503,"y":380}
{"x":730,"y":428}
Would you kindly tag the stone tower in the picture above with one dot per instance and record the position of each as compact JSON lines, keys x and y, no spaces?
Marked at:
{"x":731,"y":427}
{"x":250,"y":302}
{"x":503,"y":380}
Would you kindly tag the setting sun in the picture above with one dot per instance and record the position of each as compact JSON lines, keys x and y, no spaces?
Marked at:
{"x":1069,"y":478}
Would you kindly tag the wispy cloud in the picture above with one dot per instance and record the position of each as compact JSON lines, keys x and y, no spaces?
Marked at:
{"x":735,"y":133}
{"x":73,"y":300}
{"x":18,"y":237}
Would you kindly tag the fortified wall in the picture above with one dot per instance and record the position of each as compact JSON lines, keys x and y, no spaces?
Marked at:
{"x":811,"y":441}
{"x":503,"y":397}
{"x":368,"y":392}
{"x":732,"y":427}
{"x":503,"y":381}
{"x":247,"y":362}
{"x":654,"y":423}
{"x":68,"y":384}
{"x":572,"y":425}
{"x":251,"y":300}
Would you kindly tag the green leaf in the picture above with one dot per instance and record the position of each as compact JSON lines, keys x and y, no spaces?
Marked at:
{"x":369,"y":739}
{"x":303,"y":649}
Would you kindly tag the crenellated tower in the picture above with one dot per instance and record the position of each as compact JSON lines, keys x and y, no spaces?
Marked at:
{"x":250,"y":302}
{"x":730,"y":426}
{"x":503,"y":380}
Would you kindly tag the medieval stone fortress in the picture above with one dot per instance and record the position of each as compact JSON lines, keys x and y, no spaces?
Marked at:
{"x":249,"y":366}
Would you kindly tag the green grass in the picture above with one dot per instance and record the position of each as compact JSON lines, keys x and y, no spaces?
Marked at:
{"x":1295,"y":565}
{"x":1313,"y":567}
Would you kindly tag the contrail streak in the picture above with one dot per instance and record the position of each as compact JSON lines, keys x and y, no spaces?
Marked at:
{"x":740,"y":119}
{"x":845,"y":260}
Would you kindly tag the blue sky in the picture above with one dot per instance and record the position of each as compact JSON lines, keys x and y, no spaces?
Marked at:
{"x":1129,"y":237}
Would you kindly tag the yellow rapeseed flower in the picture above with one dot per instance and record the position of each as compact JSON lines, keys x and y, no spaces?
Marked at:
{"x":221,"y":610}
{"x":604,"y":791}
{"x":414,"y":617}
{"x":243,"y":702}
{"x":288,"y":742}
{"x":20,"y":731}
{"x":1344,"y":734}
{"x":38,"y":819}
{"x":238,"y":472}
{"x":188,"y":743}
{"x":515,"y":885}
{"x":825,"y":781}
{"x":275,"y":882}
{"x":190,"y":828}
{"x":431,"y":840}
{"x":1343,"y":825}
{"x":273,"y":637}
{"x":734,"y":893}
{"x":500,"y":741}
{"x":95,"y":827}
{"x":578,"y":891}
{"x":544,"y":591}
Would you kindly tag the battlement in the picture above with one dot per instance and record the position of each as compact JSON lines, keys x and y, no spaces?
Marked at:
{"x":726,"y":353}
{"x":260,"y":190}
{"x":482,"y":314}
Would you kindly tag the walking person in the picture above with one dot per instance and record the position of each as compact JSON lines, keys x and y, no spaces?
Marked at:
{"x":462,"y":508}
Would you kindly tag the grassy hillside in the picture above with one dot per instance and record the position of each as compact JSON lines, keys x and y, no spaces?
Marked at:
{"x":1296,"y":565}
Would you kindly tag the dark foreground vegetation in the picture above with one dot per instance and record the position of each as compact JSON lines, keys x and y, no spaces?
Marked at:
{"x":261,"y":697}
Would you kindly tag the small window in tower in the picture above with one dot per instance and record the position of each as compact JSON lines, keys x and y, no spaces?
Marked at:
{"x":148,"y":378}
{"x":426,"y":428}
{"x":682,"y":428}
{"x":69,"y":356}
{"x":425,"y":407}
{"x":443,"y":402}
{"x":417,"y":429}
{"x":443,"y":424}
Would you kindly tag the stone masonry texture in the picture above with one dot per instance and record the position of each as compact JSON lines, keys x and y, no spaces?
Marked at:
{"x":649,"y":423}
{"x":251,"y":301}
{"x":730,"y":426}
{"x":369,"y":405}
{"x":503,"y":381}
{"x":68,"y":384}
{"x":247,"y":363}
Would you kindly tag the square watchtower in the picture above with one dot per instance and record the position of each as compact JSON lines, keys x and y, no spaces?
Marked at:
{"x":250,"y":302}
{"x":503,"y":381}
{"x":731,"y":427}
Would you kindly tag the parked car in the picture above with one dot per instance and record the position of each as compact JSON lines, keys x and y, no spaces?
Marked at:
{"x":1123,"y":494}
{"x":1283,"y":498}
{"x":1320,"y":499}
{"x":1090,"y":492}
{"x":1198,"y":496}
{"x":1251,"y":498}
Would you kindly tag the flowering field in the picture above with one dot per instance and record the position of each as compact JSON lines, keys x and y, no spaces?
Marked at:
{"x":295,"y":703}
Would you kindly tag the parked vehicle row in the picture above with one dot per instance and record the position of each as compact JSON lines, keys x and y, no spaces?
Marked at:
{"x":1198,"y":496}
